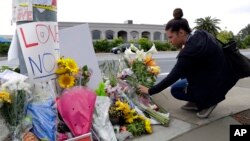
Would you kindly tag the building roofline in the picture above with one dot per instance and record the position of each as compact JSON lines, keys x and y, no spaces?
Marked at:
{"x":109,"y":23}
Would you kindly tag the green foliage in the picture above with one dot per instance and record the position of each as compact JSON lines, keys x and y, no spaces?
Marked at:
{"x":109,"y":70}
{"x":116,"y":42}
{"x":246,"y":42}
{"x":100,"y":91}
{"x":145,"y":44}
{"x":14,"y":112}
{"x":142,"y":76}
{"x":15,"y":69}
{"x":209,"y":24}
{"x":162,"y":46}
{"x":105,"y":45}
{"x":244,"y":32}
{"x":225,"y":36}
{"x":239,"y":43}
{"x":102,"y":45}
{"x":136,"y":128}
{"x":85,"y":75}
{"x":4,"y":47}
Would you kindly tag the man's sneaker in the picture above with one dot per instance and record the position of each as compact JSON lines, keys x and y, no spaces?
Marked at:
{"x":190,"y":106}
{"x":206,"y":112}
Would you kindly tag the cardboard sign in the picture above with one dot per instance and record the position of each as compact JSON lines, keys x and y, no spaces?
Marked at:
{"x":39,"y":42}
{"x":76,"y":43}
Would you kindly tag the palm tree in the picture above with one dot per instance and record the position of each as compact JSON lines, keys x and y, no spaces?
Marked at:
{"x":209,"y":24}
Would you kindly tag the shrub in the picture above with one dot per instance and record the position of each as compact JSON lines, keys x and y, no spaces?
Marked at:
{"x":145,"y":44}
{"x":4,"y":47}
{"x":246,"y":41}
{"x":102,"y":45}
{"x":162,"y":46}
{"x":116,"y":42}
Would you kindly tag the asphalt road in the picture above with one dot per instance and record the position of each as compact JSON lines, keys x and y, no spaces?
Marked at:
{"x":166,"y":60}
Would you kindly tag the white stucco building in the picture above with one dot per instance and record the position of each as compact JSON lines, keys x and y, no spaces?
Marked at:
{"x":128,"y":31}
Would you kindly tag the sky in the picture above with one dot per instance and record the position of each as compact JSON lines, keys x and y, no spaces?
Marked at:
{"x":234,"y":15}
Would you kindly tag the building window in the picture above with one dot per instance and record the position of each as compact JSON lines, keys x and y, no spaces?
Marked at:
{"x":109,"y":34}
{"x":96,"y":34}
{"x":145,"y":34}
{"x":134,"y":35}
{"x":165,"y":37}
{"x":157,"y":36}
{"x":123,"y":35}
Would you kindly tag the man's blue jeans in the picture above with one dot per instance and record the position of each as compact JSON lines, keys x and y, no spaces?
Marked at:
{"x":179,"y":90}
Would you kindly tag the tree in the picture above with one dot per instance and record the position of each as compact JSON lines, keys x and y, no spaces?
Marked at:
{"x":244,"y":32}
{"x":246,"y":42}
{"x":209,"y":24}
{"x":225,"y":36}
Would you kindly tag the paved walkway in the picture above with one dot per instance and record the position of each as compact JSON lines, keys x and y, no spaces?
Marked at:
{"x":216,"y":130}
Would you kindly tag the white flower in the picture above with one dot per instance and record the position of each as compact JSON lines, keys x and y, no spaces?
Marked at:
{"x":152,"y":50}
{"x":107,"y":83}
{"x":140,"y":54}
{"x":128,"y":52}
{"x":18,"y":84}
{"x":132,"y":47}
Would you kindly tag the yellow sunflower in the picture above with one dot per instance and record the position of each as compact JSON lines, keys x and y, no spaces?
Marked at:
{"x":61,"y":61}
{"x":71,"y":65}
{"x":61,"y":70}
{"x":66,"y":81}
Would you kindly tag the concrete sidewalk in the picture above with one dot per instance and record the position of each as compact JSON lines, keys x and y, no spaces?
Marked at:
{"x":214,"y":130}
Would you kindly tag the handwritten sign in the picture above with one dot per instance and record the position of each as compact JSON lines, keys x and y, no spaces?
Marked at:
{"x":22,"y":11}
{"x":40,"y":46}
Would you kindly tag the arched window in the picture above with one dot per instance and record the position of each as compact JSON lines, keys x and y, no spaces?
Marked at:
{"x":145,"y":34}
{"x":96,"y":34}
{"x":134,"y":35}
{"x":109,"y":34}
{"x":157,"y":36}
{"x":123,"y":35}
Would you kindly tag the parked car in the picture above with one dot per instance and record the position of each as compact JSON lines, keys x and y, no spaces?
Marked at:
{"x":121,"y":48}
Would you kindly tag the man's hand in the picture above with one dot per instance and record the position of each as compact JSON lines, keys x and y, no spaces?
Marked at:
{"x":142,"y":89}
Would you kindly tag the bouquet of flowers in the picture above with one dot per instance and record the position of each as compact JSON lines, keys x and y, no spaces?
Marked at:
{"x":144,"y":72}
{"x":72,"y":81}
{"x":70,"y":75}
{"x":142,"y":65}
{"x":14,"y":96}
{"x":128,"y":117}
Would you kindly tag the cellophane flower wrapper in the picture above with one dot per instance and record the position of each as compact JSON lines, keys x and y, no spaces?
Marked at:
{"x":14,"y":111}
{"x":76,"y":106}
{"x":43,"y":119}
{"x":101,"y":122}
{"x":43,"y":111}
